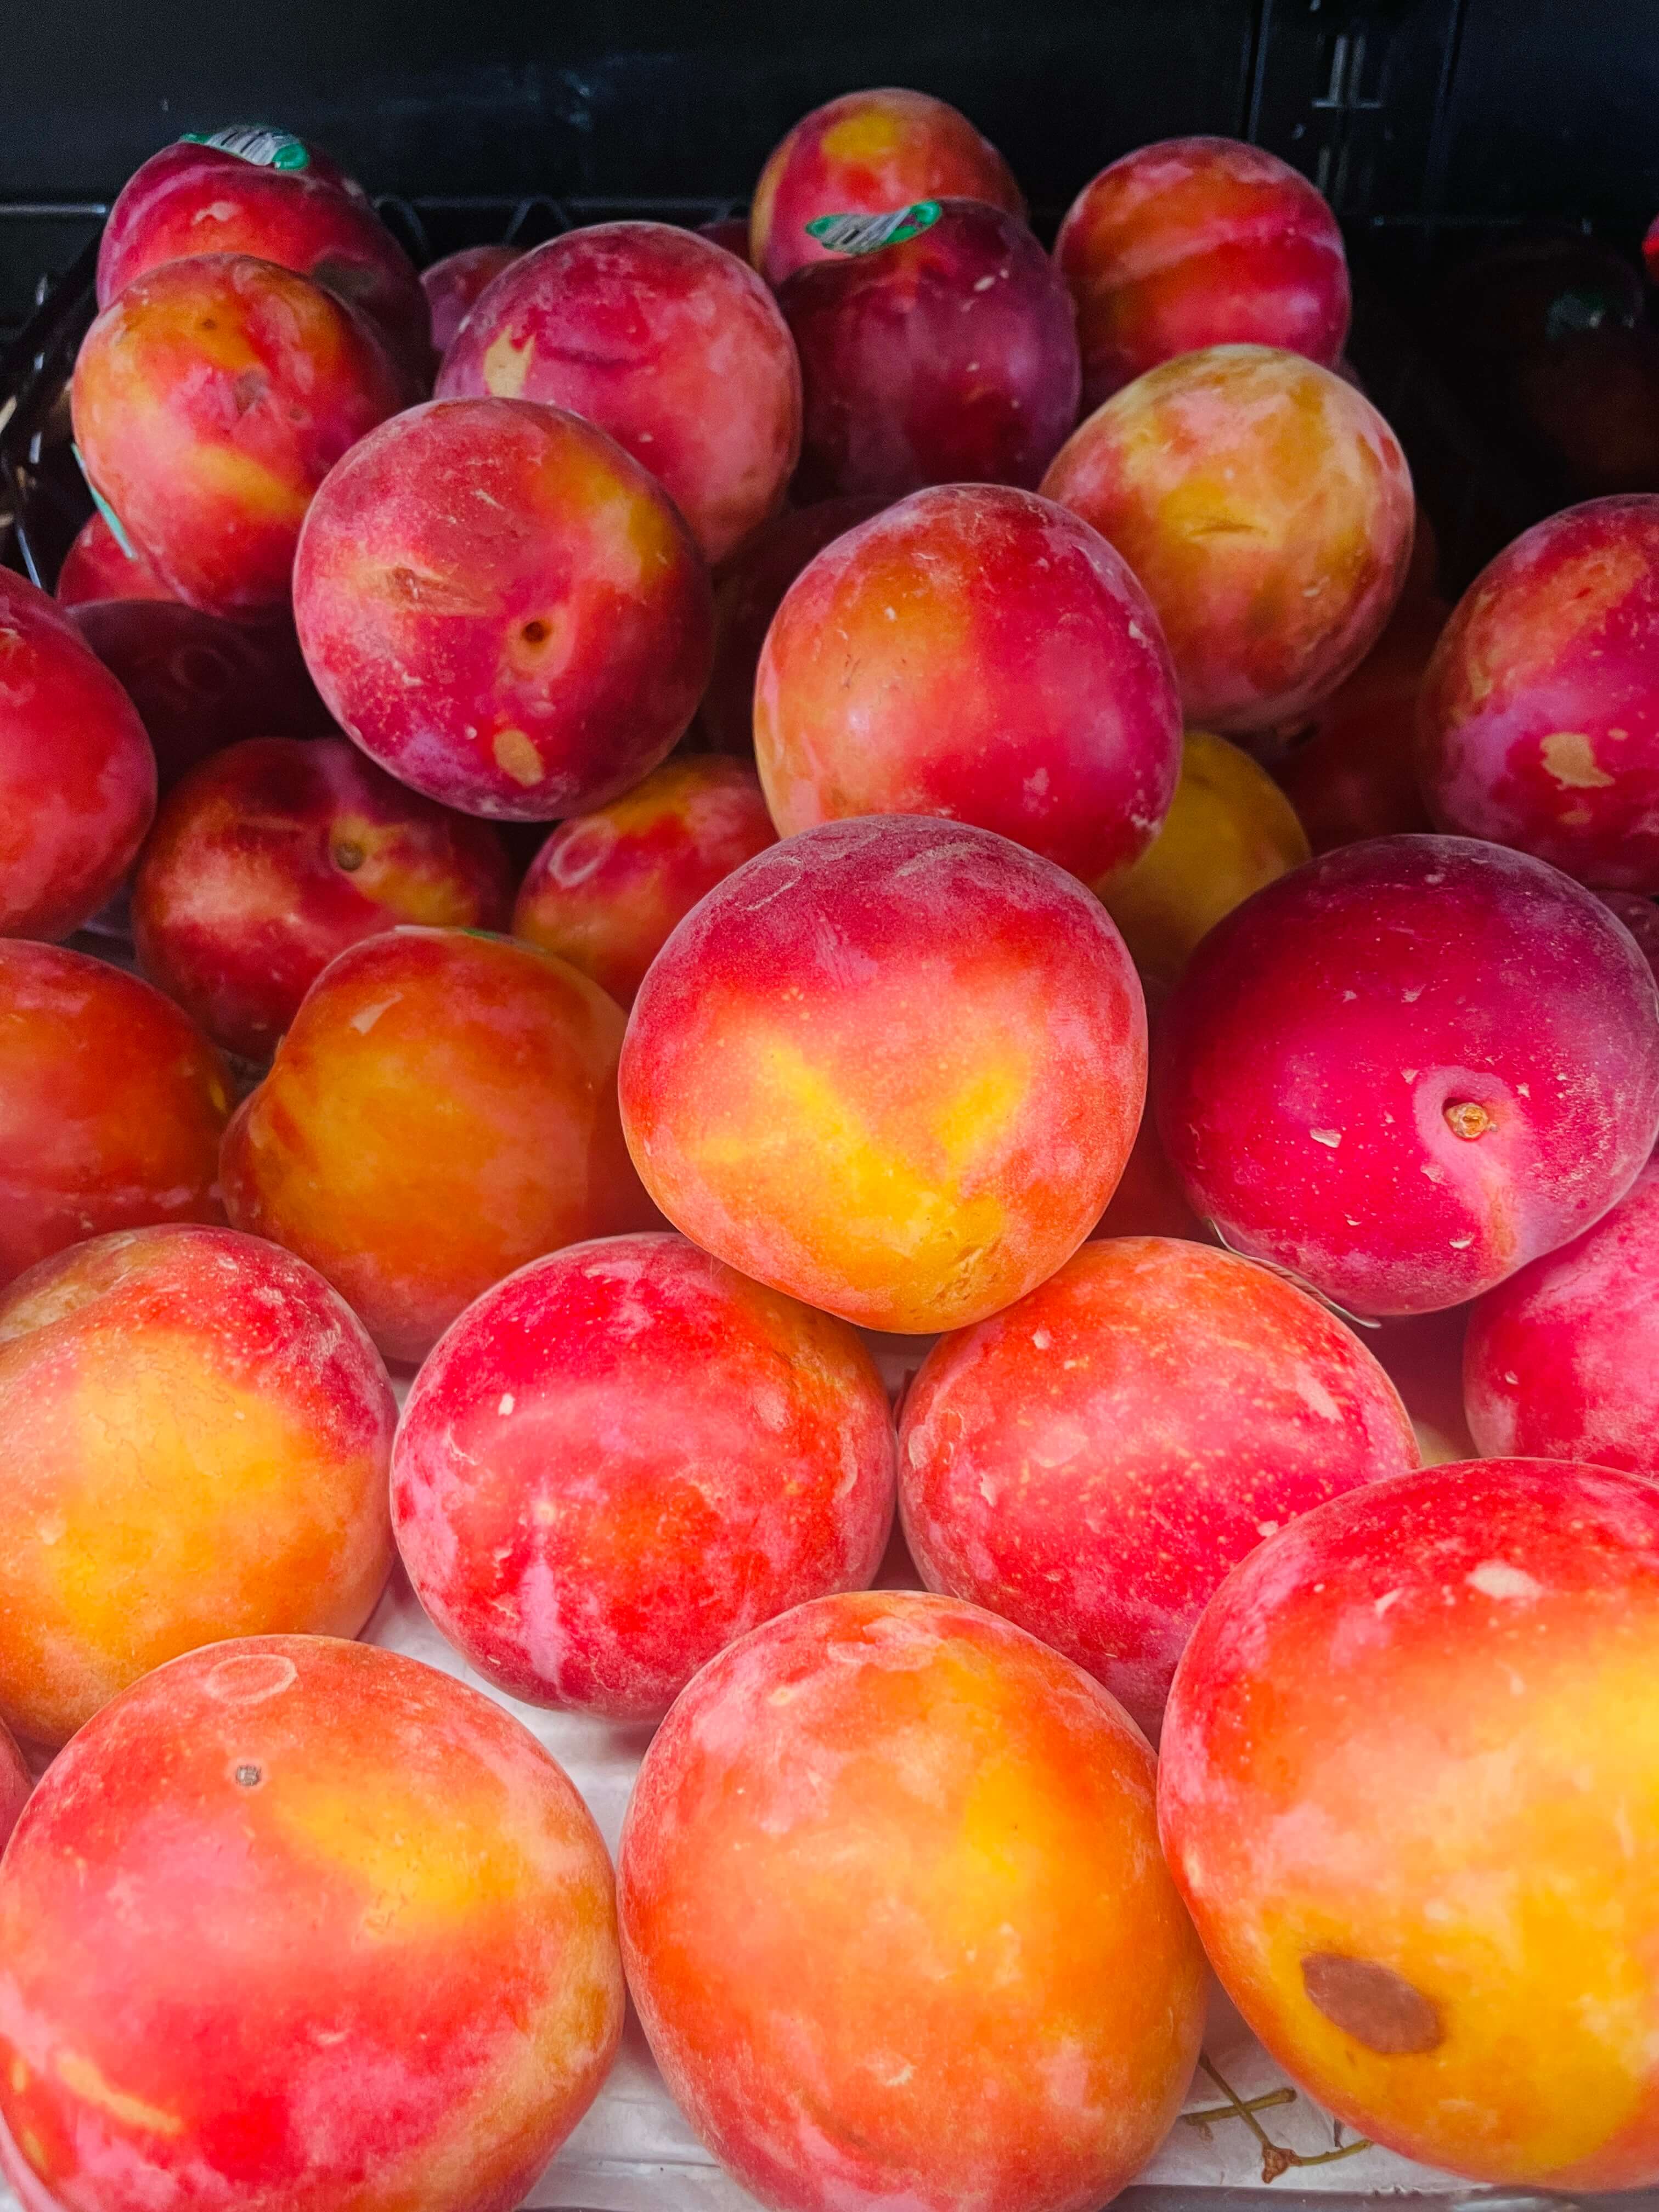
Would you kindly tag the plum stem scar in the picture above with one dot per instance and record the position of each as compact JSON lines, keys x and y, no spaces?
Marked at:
{"x":1467,"y":1119}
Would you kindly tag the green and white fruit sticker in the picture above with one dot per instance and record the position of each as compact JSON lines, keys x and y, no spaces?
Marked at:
{"x":117,"y":530}
{"x":256,"y":143}
{"x":867,"y":234}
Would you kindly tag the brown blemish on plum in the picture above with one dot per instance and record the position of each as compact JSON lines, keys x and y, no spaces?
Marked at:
{"x":1466,"y":1118}
{"x":1372,"y":2003}
{"x":248,"y":1775}
{"x":348,"y":856}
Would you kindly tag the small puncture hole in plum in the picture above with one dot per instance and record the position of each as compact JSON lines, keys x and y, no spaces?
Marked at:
{"x":248,"y":1775}
{"x":1467,"y":1119}
{"x":535,"y":632}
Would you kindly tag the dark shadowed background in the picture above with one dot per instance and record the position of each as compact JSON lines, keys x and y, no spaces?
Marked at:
{"x":1406,"y":111}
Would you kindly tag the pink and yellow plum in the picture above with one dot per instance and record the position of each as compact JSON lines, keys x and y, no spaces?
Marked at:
{"x":947,"y":357}
{"x":1229,"y":832}
{"x":1403,"y":1790}
{"x":198,"y":1442}
{"x":892,"y":1790}
{"x":502,"y":609}
{"x":868,"y":152}
{"x":974,"y":652}
{"x":78,"y":777}
{"x":624,"y":1457}
{"x":1410,"y":1068}
{"x":1538,"y":723}
{"x":211,"y":399}
{"x":608,"y":889}
{"x":748,"y":592}
{"x":1093,"y":1462}
{"x":279,"y":853}
{"x":892,"y":1067}
{"x":112,"y":1104}
{"x":304,"y":1923}
{"x":442,"y":1110}
{"x":666,"y":342}
{"x":1196,"y":242}
{"x":454,"y":285}
{"x":1562,"y":1361}
{"x":191,"y":199}
{"x":1266,"y":507}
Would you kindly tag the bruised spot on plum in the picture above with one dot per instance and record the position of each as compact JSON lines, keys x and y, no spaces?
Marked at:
{"x":1372,"y":2003}
{"x":1466,"y":1118}
{"x":249,"y":389}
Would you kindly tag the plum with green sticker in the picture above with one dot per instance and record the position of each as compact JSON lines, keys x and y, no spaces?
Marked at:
{"x":250,"y":190}
{"x":867,"y":154}
{"x":944,"y":352}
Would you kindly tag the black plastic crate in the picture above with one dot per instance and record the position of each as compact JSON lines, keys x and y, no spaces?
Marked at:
{"x":1476,"y":495}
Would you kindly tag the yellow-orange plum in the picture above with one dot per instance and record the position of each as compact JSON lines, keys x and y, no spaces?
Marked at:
{"x":442,"y":1110}
{"x":893,"y":1915}
{"x":891,"y":1066}
{"x":198,"y":1439}
{"x":1268,"y":509}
